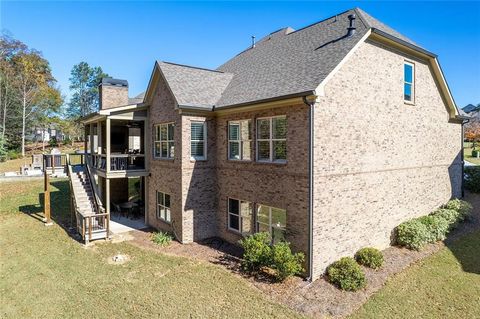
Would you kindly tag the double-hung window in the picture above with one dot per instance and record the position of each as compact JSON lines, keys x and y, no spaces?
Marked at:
{"x":408,"y":82}
{"x":163,"y":207}
{"x":240,"y":216}
{"x":272,"y":220}
{"x":164,"y":141}
{"x":198,"y":140}
{"x":272,"y":139}
{"x":240,"y":140}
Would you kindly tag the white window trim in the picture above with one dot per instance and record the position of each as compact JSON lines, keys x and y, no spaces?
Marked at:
{"x":163,"y":206}
{"x":270,"y":226}
{"x":239,"y":141}
{"x":240,"y":217}
{"x":412,"y":84}
{"x":168,"y":140}
{"x":271,"y":140}
{"x":205,"y":139}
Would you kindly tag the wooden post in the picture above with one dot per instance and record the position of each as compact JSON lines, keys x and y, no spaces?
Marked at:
{"x":46,"y":200}
{"x":107,"y":147}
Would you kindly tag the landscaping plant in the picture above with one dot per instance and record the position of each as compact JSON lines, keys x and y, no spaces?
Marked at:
{"x":256,"y":251}
{"x":450,"y":215}
{"x":284,"y":262}
{"x":412,"y":234}
{"x":369,"y":257}
{"x":462,"y":207}
{"x":472,"y":179}
{"x":437,"y":227}
{"x":162,"y":238}
{"x":346,"y":274}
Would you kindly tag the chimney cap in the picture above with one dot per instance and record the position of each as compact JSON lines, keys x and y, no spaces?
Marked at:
{"x":112,"y":81}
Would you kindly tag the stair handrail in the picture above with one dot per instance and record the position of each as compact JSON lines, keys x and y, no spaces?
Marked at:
{"x":98,"y":203}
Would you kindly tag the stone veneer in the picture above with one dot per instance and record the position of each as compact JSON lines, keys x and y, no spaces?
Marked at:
{"x":378,"y":161}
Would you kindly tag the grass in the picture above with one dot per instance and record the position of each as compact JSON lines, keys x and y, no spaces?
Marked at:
{"x":44,"y":273}
{"x":444,"y":285}
{"x":467,"y":153}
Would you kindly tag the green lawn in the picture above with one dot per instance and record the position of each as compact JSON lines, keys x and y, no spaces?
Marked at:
{"x":445,"y":285}
{"x":44,"y":273}
{"x":467,"y":154}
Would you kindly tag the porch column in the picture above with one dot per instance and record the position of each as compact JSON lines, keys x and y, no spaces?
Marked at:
{"x":146,"y":145}
{"x":85,"y":140}
{"x":91,"y":139}
{"x":108,"y":148}
{"x":99,"y":137}
{"x":107,"y":195}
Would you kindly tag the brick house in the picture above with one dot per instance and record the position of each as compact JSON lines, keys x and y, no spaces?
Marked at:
{"x":327,"y":137}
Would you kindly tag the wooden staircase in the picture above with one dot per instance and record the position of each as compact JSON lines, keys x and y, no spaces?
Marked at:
{"x":91,"y":219}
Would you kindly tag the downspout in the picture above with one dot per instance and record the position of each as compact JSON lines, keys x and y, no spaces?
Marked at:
{"x":310,"y":187}
{"x":462,"y":157}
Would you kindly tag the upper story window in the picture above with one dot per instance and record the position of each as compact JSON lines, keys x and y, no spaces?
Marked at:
{"x":408,"y":82}
{"x":198,"y":140}
{"x":164,"y":141}
{"x":163,"y":207}
{"x":272,"y":139}
{"x":240,"y":140}
{"x":272,"y":220}
{"x":240,"y":216}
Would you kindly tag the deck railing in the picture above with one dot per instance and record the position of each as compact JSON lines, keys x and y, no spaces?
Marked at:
{"x":119,"y":162}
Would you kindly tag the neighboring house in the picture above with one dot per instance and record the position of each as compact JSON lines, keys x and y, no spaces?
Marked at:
{"x":470,"y":108}
{"x":327,"y":137}
{"x":45,"y":134}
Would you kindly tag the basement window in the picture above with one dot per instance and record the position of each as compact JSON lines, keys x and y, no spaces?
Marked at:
{"x":408,"y":82}
{"x":240,"y":216}
{"x":163,"y":207}
{"x":272,"y":220}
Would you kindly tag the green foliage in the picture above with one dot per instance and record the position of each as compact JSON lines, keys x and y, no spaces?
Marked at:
{"x":256,"y":251}
{"x":412,"y":234}
{"x":369,"y":257}
{"x":472,"y":179}
{"x":162,"y":238}
{"x":449,"y":215}
{"x":346,"y":274}
{"x":67,"y":141}
{"x":3,"y":149}
{"x":284,"y":262}
{"x":437,"y":227}
{"x":84,"y":81}
{"x":13,"y":154}
{"x":53,"y":141}
{"x":462,"y":207}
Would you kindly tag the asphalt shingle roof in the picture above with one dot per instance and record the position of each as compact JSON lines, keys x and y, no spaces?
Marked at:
{"x":284,"y":63}
{"x":193,"y":86}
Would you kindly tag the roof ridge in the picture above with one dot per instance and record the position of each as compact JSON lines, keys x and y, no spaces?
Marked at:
{"x":323,"y":20}
{"x":192,"y":67}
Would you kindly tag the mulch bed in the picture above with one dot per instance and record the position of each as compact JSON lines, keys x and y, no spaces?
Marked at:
{"x":319,"y":299}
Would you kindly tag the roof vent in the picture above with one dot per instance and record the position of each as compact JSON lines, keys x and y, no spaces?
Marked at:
{"x":253,"y":41}
{"x":351,"y":28}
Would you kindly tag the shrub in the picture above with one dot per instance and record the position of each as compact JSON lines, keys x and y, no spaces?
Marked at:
{"x":284,"y":262}
{"x":256,"y":251}
{"x":13,"y":154}
{"x":472,"y":179}
{"x":53,"y":141}
{"x":370,"y":257}
{"x":449,"y":215}
{"x":462,"y":207}
{"x":162,"y":238}
{"x":437,"y":227}
{"x":412,"y":234}
{"x":346,"y":274}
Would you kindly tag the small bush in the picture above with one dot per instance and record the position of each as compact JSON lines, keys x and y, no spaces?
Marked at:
{"x":346,"y":274}
{"x":472,"y":179}
{"x":162,"y":238}
{"x":370,"y":257}
{"x":437,"y":227}
{"x":13,"y":154}
{"x":53,"y":141}
{"x":256,"y":251}
{"x":462,"y":207}
{"x":284,"y":262}
{"x":412,"y":234}
{"x":449,"y":215}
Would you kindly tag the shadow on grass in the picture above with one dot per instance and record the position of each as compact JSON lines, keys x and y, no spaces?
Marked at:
{"x":467,"y":251}
{"x":59,"y":207}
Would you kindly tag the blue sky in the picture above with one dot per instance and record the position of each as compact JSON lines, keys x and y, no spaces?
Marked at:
{"x":125,"y":38}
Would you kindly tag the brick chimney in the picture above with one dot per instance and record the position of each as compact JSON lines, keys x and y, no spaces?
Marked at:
{"x":113,"y":93}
